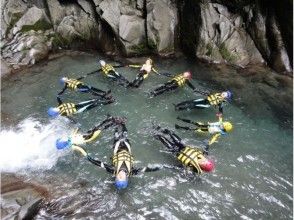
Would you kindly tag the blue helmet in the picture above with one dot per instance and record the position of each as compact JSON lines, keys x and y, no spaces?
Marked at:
{"x":63,"y":80}
{"x":61,"y":143}
{"x":229,"y":94}
{"x":53,"y":112}
{"x":121,"y":184}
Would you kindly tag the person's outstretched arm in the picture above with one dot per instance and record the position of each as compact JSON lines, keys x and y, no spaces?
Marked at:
{"x":135,"y":66}
{"x":137,"y":171}
{"x":190,"y":85}
{"x":62,"y":91}
{"x":201,"y":92}
{"x":59,"y":100}
{"x":95,"y":71}
{"x":214,"y":138}
{"x":98,"y":163}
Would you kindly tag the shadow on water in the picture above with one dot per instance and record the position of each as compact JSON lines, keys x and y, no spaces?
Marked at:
{"x":253,"y":176}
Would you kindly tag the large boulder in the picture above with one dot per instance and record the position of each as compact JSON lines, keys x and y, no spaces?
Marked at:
{"x":33,"y":19}
{"x":11,"y":12}
{"x":161,"y":23}
{"x":267,"y":37}
{"x":74,"y":22}
{"x":131,"y":32}
{"x":223,"y":38}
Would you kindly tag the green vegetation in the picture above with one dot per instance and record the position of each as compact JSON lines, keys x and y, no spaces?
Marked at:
{"x":59,"y":41}
{"x":39,"y":25}
{"x":226,"y":54}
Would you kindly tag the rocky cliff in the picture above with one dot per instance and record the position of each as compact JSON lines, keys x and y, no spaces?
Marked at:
{"x":239,"y":32}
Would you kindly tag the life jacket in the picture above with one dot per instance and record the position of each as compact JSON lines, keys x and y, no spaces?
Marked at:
{"x":120,"y":158}
{"x":189,"y":157}
{"x":180,"y":79}
{"x":107,"y":68}
{"x":73,"y":84}
{"x":215,"y":99}
{"x":67,"y":109}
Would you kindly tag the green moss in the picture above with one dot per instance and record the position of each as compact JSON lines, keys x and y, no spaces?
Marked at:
{"x":39,"y":25}
{"x":209,"y":49}
{"x":226,"y":54}
{"x":59,"y":41}
{"x":14,"y":18}
{"x":140,"y":48}
{"x":152,"y":45}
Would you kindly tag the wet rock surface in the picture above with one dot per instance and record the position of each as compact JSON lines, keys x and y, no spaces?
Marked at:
{"x":20,"y":199}
{"x":242,"y":33}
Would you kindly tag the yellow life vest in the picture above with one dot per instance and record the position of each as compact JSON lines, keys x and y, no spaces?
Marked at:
{"x":215,"y":99}
{"x":73,"y":84}
{"x":120,"y":158}
{"x":107,"y":68}
{"x":180,"y":79}
{"x":189,"y":157}
{"x":67,"y":109}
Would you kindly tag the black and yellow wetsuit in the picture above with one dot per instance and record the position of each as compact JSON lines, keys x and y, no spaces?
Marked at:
{"x":174,"y":83}
{"x":122,"y":158}
{"x":109,"y":71}
{"x":68,"y":109}
{"x":77,"y":85}
{"x":188,"y":156}
{"x":216,"y":129}
{"x":215,"y":100}
{"x":142,"y":75}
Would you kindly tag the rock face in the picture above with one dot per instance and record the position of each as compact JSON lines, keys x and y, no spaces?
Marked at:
{"x":239,"y":32}
{"x":222,"y":37}
{"x":20,"y":199}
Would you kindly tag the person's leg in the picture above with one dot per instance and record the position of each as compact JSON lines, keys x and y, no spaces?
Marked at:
{"x":167,"y":143}
{"x":164,"y":88}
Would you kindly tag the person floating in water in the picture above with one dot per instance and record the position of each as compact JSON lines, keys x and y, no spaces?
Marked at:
{"x":77,"y":138}
{"x":176,"y":82}
{"x":122,"y":159}
{"x":216,"y":129}
{"x":145,"y":70}
{"x":192,"y":158}
{"x":77,"y":85}
{"x":68,"y":109}
{"x":109,"y":71}
{"x":216,"y":99}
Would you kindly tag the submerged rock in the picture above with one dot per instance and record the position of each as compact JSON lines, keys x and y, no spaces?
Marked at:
{"x":20,"y":199}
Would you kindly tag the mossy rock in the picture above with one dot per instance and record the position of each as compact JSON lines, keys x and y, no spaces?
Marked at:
{"x":226,"y":54}
{"x":39,"y":25}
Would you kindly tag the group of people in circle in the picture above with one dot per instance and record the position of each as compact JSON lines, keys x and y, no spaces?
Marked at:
{"x":194,"y":159}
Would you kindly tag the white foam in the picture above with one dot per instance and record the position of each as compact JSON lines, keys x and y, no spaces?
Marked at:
{"x":30,"y":145}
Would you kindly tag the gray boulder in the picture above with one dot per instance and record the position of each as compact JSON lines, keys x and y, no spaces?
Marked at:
{"x":161,"y":23}
{"x":223,"y":38}
{"x":111,"y":13}
{"x":33,"y":19}
{"x":131,"y":32}
{"x":11,"y":12}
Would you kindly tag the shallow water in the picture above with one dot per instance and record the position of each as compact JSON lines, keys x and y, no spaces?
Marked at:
{"x":252,"y":179}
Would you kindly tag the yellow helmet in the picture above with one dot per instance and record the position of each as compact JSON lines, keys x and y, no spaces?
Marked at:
{"x":227,"y":126}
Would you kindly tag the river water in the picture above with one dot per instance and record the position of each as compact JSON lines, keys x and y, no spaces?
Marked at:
{"x":252,"y":179}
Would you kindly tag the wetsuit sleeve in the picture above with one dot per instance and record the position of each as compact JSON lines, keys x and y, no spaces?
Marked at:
{"x":214,"y":139}
{"x":96,"y":71}
{"x":190,"y":85}
{"x":119,"y":66}
{"x":59,"y":100}
{"x":135,"y":66}
{"x":81,"y":77}
{"x":137,"y":171}
{"x":201,"y":92}
{"x":220,"y":108}
{"x":108,"y":168}
{"x":62,"y":91}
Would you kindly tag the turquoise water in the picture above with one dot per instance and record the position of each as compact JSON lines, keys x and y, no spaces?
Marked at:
{"x":252,"y":179}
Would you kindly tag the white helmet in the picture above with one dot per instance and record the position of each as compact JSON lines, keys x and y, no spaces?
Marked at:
{"x":102,"y":62}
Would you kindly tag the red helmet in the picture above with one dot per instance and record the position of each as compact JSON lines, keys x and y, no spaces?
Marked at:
{"x":187,"y":75}
{"x":207,"y":166}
